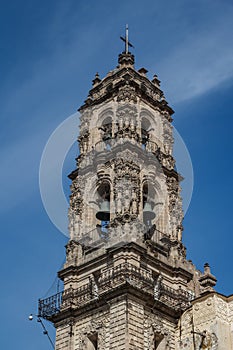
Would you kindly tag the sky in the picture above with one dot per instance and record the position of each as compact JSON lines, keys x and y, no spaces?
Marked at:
{"x":49,"y":54}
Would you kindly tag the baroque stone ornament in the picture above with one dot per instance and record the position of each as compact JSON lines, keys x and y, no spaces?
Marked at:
{"x":127,"y":93}
{"x":127,"y":282}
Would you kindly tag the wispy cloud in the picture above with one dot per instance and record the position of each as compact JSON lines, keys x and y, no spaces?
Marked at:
{"x":59,"y":80}
{"x":201,"y":62}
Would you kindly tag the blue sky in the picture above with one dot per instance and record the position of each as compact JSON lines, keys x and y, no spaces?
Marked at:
{"x":50,"y":52}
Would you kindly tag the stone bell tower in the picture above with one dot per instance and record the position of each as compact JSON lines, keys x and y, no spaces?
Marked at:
{"x":126,"y":278}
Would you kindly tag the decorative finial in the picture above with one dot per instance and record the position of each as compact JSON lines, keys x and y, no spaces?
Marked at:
{"x":155,"y":80}
{"x":207,"y":280}
{"x":97,"y":79}
{"x":207,"y":269}
{"x":126,"y":39}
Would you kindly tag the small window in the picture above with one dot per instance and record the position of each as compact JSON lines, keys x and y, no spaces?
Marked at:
{"x":92,"y":342}
{"x":145,"y":128}
{"x":106,"y":129}
{"x":158,"y":344}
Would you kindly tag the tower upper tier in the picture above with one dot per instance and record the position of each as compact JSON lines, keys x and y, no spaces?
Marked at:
{"x":126,"y":83}
{"x":126,"y":173}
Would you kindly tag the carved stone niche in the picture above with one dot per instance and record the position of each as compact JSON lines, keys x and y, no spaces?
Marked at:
{"x":158,"y":337}
{"x":93,"y":336}
{"x":85,"y":121}
{"x":76,"y":202}
{"x":84,"y":142}
{"x":127,"y":93}
{"x":73,"y":252}
{"x":167,"y":161}
{"x":126,"y":111}
{"x":173,"y":191}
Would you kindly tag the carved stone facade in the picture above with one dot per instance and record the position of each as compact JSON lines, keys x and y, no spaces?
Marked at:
{"x":207,"y":324}
{"x":127,"y":282}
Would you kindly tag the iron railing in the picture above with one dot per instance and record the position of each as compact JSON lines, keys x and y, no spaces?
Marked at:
{"x":50,"y":306}
{"x":110,"y":279}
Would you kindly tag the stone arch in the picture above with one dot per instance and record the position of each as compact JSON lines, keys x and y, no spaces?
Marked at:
{"x":149,"y":126}
{"x":105,"y":125}
{"x":104,"y":189}
{"x":152,"y":188}
{"x":147,"y":119}
{"x":95,"y":191}
{"x":103,"y":194}
{"x":105,"y":115}
{"x":154,"y":183}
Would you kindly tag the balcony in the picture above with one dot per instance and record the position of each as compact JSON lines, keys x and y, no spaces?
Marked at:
{"x":50,"y":306}
{"x":123,"y":274}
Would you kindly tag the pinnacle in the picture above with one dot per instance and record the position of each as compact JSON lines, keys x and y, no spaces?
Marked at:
{"x":126,"y":59}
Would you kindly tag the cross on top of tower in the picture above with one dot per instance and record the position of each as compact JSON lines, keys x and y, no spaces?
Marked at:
{"x":126,"y":39}
{"x":126,"y":58}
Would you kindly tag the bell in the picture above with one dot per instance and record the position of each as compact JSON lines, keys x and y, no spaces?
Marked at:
{"x":104,"y":213}
{"x":107,"y":136}
{"x":148,"y":213}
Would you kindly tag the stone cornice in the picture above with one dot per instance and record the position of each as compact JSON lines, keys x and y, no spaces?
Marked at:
{"x":140,"y":249}
{"x":210,"y":294}
{"x":123,"y":292}
{"x":145,"y":90}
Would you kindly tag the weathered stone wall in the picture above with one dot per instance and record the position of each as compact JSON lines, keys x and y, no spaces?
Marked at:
{"x":135,"y":325}
{"x":62,"y":337}
{"x":207,"y":325}
{"x":127,"y":324}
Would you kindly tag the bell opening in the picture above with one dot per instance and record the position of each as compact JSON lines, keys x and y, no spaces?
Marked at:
{"x":104,"y":213}
{"x":104,"y":207}
{"x":106,"y":129}
{"x":148,"y":204}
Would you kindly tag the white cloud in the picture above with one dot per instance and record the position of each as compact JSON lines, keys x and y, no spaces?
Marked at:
{"x":202,"y":62}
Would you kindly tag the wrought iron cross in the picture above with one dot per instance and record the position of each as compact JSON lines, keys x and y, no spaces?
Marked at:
{"x":126,"y":39}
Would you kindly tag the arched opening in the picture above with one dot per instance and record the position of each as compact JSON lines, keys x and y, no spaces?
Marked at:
{"x":148,"y":196}
{"x":92,"y":342}
{"x":103,"y":200}
{"x":145,"y":131}
{"x":106,"y":129}
{"x":158,"y":342}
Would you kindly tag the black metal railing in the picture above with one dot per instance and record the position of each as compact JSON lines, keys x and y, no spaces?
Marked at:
{"x":50,"y":306}
{"x":111,"y":278}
